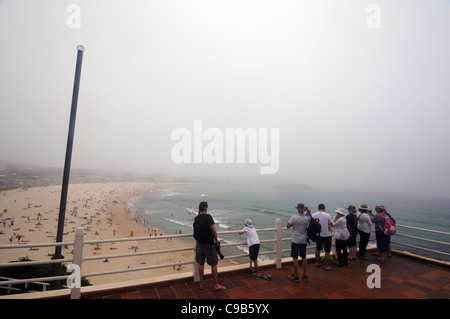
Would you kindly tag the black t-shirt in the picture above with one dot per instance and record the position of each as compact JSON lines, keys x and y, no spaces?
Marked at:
{"x":206,"y":220}
{"x":352,"y":222}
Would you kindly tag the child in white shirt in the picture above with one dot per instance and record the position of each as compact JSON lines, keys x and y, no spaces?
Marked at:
{"x":253,"y":243}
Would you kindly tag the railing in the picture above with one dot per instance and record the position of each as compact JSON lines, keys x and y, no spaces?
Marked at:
{"x":79,"y":243}
{"x":9,"y":286}
{"x":399,"y":234}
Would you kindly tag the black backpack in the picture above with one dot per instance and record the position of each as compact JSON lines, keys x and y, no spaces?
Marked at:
{"x":313,"y":229}
{"x":201,"y":233}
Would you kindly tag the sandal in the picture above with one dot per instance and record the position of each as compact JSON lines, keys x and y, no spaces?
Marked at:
{"x":221,"y":288}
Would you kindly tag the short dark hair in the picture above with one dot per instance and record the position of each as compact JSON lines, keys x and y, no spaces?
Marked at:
{"x":322,"y":206}
{"x":202,"y":206}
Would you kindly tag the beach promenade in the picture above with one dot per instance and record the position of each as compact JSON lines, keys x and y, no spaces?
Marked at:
{"x":402,"y":277}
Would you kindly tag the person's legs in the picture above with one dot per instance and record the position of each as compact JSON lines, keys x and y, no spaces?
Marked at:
{"x":364,"y":240}
{"x":304,"y":261}
{"x":327,"y":244}
{"x":295,"y":263}
{"x":212,"y":260}
{"x":339,"y":251}
{"x":382,"y":245}
{"x":327,"y":262}
{"x":305,"y":268}
{"x":201,"y":274}
{"x":319,"y":246}
{"x":200,"y":259}
{"x":216,"y":279}
{"x":254,"y":251}
{"x":294,"y":255}
{"x":255,"y":262}
{"x":345,"y":254}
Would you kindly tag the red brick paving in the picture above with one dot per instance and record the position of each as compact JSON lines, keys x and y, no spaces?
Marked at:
{"x":401,"y":278}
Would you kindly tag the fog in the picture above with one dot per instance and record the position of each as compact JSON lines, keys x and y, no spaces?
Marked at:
{"x":358,"y":90}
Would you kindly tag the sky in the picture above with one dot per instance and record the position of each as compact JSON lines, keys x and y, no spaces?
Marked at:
{"x":358,"y":91}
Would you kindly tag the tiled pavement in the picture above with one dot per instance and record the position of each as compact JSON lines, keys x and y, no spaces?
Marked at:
{"x":401,"y":278}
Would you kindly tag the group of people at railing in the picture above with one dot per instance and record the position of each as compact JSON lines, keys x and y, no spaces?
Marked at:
{"x":347,"y":225}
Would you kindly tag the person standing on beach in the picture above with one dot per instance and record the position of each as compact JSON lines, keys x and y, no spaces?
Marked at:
{"x":341,"y":234}
{"x":299,"y":223}
{"x":253,"y":243}
{"x":206,"y":236}
{"x":365,"y":218}
{"x":324,"y":240}
{"x":352,"y":223}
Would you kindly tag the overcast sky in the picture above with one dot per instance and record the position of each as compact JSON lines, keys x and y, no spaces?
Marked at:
{"x":360,"y":93}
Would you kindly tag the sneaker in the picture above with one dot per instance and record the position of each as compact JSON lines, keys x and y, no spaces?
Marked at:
{"x":305,"y":278}
{"x":294,"y":278}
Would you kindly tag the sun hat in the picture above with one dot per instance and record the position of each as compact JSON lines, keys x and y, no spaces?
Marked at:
{"x":300,"y":205}
{"x":341,"y":211}
{"x":248,"y":223}
{"x":364,"y":206}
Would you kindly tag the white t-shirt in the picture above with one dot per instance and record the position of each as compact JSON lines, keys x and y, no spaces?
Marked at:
{"x":325,"y":220}
{"x":252,"y":236}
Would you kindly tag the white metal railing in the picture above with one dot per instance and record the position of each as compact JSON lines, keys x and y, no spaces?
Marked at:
{"x":446,"y":253}
{"x":79,"y":243}
{"x":10,"y":287}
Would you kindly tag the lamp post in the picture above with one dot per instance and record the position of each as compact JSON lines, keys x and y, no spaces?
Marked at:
{"x":65,"y":182}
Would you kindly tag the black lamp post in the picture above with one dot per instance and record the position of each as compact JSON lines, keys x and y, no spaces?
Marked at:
{"x":65,"y":182}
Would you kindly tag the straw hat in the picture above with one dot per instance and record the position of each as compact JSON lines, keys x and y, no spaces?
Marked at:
{"x":364,"y":206}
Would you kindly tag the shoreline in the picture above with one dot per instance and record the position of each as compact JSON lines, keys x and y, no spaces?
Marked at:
{"x":102,"y":209}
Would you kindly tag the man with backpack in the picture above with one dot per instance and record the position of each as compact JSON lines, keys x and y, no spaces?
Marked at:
{"x":206,"y":236}
{"x":299,"y":223}
{"x":324,"y":240}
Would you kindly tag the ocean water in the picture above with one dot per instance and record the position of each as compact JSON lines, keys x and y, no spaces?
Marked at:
{"x":173,"y":209}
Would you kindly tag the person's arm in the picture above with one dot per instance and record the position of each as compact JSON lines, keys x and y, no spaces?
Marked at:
{"x":289,"y":225}
{"x":214,"y":231}
{"x":330,"y":222}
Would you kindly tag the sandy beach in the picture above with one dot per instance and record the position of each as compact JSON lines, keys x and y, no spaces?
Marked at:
{"x":30,"y":216}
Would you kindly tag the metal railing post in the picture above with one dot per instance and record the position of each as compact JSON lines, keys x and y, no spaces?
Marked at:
{"x":278,"y":243}
{"x":77,"y":258}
